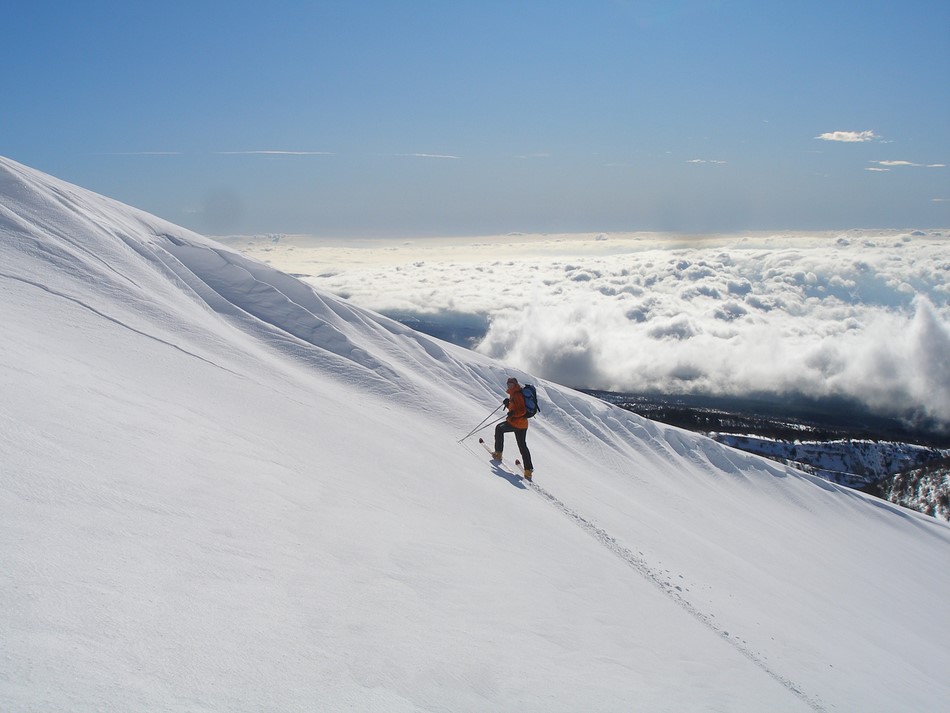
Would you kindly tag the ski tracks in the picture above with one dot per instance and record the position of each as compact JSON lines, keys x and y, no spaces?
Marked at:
{"x":657,"y":578}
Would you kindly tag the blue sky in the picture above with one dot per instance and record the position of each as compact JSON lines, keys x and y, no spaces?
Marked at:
{"x":459,"y":118}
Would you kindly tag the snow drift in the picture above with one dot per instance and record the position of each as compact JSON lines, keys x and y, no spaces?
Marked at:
{"x":222,"y":490}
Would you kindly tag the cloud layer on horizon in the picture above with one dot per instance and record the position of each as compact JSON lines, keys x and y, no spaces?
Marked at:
{"x":862,"y":315}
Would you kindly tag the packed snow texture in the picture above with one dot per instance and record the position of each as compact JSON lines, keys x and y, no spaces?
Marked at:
{"x":222,"y":490}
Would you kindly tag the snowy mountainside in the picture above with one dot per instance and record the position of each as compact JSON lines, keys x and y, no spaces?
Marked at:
{"x":855,"y":463}
{"x":925,"y":489}
{"x":223,"y":490}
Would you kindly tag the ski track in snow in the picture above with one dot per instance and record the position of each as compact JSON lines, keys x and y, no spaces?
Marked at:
{"x":656,"y":578}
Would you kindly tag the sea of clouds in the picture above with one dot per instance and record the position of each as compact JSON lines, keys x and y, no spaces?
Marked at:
{"x":863,"y":315}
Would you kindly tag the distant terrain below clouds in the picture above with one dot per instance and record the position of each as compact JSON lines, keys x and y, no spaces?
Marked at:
{"x":858,"y":314}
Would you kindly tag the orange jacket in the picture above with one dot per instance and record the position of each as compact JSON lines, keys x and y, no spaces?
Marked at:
{"x":516,"y":407}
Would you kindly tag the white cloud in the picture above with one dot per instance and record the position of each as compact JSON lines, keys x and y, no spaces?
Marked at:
{"x":274,"y":153}
{"x":427,"y":155}
{"x":852,"y":314}
{"x":910,"y":164}
{"x":848,"y":136}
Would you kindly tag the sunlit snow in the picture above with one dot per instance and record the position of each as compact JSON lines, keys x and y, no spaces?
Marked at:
{"x":222,"y":490}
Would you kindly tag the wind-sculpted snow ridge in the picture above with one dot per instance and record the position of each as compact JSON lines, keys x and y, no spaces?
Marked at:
{"x":133,"y":257}
{"x":223,"y":490}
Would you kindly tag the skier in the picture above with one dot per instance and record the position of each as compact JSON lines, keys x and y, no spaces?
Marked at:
{"x":516,"y":423}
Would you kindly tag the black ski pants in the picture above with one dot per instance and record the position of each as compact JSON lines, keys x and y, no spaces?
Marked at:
{"x":520,"y":435}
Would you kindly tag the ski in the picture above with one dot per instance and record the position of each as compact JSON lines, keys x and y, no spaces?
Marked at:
{"x":519,"y":468}
{"x":487,"y":447}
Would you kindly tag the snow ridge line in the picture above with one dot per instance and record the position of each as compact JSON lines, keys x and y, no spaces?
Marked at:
{"x":654,"y":577}
{"x":114,"y":320}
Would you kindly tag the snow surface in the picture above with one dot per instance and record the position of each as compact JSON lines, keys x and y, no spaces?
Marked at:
{"x":222,"y":490}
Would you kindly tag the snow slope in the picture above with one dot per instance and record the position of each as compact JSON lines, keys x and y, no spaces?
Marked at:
{"x":221,"y":490}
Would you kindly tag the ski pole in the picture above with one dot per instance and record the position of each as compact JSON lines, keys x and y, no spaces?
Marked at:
{"x":480,"y":425}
